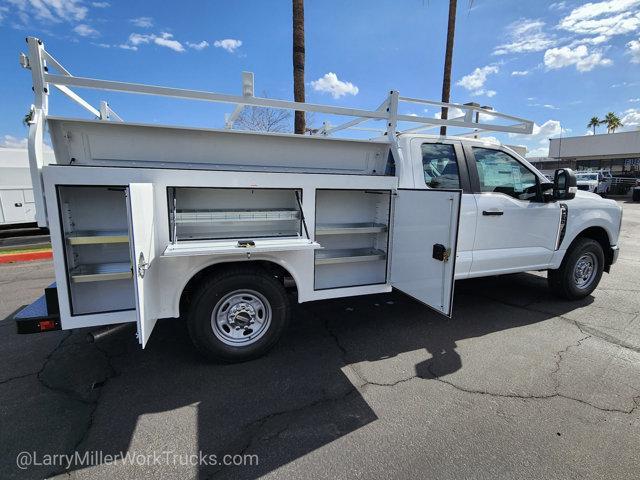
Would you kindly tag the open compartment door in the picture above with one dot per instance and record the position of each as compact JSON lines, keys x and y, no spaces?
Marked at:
{"x":140,"y":202}
{"x":423,"y":252}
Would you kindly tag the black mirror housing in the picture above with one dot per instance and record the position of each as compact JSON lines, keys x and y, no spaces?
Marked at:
{"x":565,"y":184}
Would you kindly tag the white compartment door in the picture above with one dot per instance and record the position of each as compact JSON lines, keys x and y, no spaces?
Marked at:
{"x":140,"y":201}
{"x":423,"y":253}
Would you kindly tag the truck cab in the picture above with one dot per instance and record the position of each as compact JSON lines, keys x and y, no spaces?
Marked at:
{"x":508,"y":223}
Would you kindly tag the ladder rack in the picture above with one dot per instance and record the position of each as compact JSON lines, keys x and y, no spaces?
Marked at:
{"x":39,"y":61}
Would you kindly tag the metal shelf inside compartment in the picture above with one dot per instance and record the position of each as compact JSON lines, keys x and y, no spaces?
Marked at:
{"x":99,"y":272}
{"x":236,"y":215}
{"x":92,"y":237}
{"x":349,"y":255}
{"x":349,"y":228}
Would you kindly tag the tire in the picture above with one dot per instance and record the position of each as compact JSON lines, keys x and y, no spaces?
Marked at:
{"x":580,"y":271}
{"x":223,"y":307}
{"x":636,"y":195}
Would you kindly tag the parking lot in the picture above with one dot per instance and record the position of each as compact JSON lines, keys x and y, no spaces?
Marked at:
{"x":518,"y":384}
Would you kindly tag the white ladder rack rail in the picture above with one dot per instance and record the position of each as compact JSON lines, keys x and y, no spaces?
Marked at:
{"x":388,"y":109}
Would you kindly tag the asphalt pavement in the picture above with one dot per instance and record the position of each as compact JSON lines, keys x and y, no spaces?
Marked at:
{"x":519,"y":384}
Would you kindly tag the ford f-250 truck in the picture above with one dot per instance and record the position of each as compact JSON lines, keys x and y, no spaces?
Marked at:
{"x":217,"y":226}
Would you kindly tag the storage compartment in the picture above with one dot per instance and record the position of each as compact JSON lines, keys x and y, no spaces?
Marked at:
{"x":352,"y":226}
{"x":233,"y":213}
{"x":97,"y":255}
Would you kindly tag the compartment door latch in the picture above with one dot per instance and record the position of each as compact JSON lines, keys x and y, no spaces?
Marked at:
{"x":440,"y":252}
{"x":143,"y":266}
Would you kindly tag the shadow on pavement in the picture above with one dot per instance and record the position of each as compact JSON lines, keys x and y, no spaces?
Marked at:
{"x":299,"y":397}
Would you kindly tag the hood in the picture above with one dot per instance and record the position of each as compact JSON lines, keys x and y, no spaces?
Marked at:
{"x":585,"y":194}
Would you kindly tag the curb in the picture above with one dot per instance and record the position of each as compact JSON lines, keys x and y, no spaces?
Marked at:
{"x":25,"y":256}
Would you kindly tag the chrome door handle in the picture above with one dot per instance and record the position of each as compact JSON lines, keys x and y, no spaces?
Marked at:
{"x":492,"y":213}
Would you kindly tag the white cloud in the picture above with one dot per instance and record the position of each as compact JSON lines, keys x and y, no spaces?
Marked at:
{"x":198,"y":46}
{"x":100,"y":4}
{"x":454,"y":112}
{"x":525,"y":35}
{"x":329,"y":83}
{"x":558,"y":6}
{"x":229,"y":44}
{"x":520,"y":73}
{"x":125,"y":46}
{"x":476,"y":79}
{"x":486,"y":93}
{"x":142,"y":22}
{"x":491,"y":140}
{"x":548,"y":129}
{"x":102,"y":45}
{"x":3,"y":12}
{"x":541,"y":133}
{"x":538,"y":152}
{"x":631,"y":117}
{"x":634,"y":50}
{"x":584,"y":61}
{"x":85,"y":30}
{"x":9,"y":141}
{"x":634,"y":100}
{"x":608,"y":18}
{"x":55,"y":11}
{"x":164,"y":40}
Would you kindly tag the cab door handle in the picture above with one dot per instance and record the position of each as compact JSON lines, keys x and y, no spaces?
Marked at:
{"x":492,"y":213}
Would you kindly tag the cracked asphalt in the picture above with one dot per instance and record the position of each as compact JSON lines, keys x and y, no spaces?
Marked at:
{"x":518,"y":385}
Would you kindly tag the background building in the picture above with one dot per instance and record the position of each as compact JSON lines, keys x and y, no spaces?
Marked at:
{"x":618,"y":152}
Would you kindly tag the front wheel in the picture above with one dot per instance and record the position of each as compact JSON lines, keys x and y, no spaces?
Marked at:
{"x":238,"y":314}
{"x":580,"y":271}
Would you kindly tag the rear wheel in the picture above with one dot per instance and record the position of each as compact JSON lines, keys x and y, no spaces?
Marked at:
{"x":580,"y":271}
{"x":238,"y":314}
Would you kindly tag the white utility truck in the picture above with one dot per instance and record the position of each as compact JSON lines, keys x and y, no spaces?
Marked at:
{"x":219,"y":226}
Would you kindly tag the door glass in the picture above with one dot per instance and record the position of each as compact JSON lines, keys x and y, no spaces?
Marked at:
{"x":440,"y":166}
{"x":500,"y":172}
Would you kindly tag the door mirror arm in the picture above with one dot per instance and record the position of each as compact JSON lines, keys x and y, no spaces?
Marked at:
{"x":545,"y":190}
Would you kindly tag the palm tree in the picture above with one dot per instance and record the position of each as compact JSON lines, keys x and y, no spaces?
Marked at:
{"x":612,"y":122}
{"x":593,"y":123}
{"x":298,"y":63}
{"x":448,"y":61}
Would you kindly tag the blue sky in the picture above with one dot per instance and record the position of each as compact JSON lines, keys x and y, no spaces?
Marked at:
{"x":557,"y":63}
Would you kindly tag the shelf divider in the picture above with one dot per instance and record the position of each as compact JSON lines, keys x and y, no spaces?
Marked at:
{"x":349,"y":228}
{"x":100,"y":272}
{"x":348,"y":255}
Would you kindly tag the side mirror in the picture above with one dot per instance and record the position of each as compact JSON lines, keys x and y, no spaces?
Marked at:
{"x":565,"y":184}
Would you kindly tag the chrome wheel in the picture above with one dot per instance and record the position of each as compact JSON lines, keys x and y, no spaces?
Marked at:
{"x":241,"y":317}
{"x":585,"y":270}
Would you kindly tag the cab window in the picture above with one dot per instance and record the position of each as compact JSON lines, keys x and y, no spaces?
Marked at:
{"x":440,"y":166}
{"x":500,"y":172}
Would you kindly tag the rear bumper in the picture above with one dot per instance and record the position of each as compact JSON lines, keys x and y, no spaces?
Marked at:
{"x":43,"y":315}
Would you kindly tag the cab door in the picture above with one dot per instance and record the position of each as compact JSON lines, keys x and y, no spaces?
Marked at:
{"x":141,"y":213}
{"x":424,"y":244}
{"x":514,"y":230}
